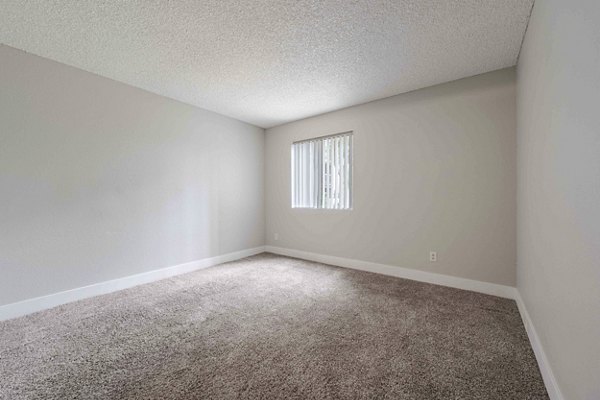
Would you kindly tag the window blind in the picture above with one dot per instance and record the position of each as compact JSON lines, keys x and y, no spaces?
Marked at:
{"x":322,"y":172}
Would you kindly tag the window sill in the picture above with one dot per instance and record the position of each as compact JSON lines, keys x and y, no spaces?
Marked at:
{"x":319,"y":210}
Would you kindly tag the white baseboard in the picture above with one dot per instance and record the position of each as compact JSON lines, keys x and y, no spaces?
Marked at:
{"x":400,"y":272}
{"x":545,"y":369}
{"x":29,"y":306}
{"x":41,"y":303}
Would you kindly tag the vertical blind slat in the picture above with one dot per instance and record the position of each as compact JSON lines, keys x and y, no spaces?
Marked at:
{"x":332,"y":173}
{"x":294,"y":177}
{"x":299,"y":176}
{"x":350,"y":169}
{"x":335,"y":172}
{"x":293,"y":169}
{"x":346,"y":194}
{"x":328,"y":176}
{"x":311,"y":180}
{"x":306,"y":177}
{"x":338,"y":172}
{"x":298,"y":162}
{"x":347,"y":171}
{"x":343,"y":172}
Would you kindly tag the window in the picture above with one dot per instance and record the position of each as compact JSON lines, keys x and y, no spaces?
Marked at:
{"x":322,"y":172}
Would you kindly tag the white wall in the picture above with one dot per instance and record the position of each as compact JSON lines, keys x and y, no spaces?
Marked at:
{"x":100,"y":180}
{"x":559,"y":188}
{"x":434,"y":169}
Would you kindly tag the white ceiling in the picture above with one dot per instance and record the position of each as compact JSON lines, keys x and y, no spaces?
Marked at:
{"x":269,"y":62}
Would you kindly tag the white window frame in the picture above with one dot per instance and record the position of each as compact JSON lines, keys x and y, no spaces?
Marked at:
{"x":314,"y":175}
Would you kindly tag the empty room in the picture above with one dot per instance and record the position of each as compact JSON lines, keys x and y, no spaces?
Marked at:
{"x":276,"y":199}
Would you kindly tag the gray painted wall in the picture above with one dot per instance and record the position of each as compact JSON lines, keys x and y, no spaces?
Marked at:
{"x":559,"y":188}
{"x":434,"y":169}
{"x":99,"y":180}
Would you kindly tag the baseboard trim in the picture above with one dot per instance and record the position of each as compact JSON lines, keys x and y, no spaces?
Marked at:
{"x":400,"y":272}
{"x":540,"y":355}
{"x":29,"y":306}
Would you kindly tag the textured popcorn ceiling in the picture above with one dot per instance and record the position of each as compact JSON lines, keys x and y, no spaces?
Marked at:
{"x":271,"y":61}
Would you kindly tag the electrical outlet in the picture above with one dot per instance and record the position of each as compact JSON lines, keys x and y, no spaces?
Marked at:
{"x":276,"y":236}
{"x":433,"y":256}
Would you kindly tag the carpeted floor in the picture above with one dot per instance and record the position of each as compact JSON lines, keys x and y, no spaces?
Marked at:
{"x":271,"y":327}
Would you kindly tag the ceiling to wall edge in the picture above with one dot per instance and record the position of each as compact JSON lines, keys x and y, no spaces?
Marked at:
{"x":268,"y":127}
{"x":265,"y":128}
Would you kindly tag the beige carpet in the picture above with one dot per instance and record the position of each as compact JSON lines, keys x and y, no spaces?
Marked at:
{"x":270,"y":327}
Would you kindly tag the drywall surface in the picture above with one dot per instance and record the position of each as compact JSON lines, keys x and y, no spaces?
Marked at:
{"x":100,"y":180}
{"x":434,"y":170}
{"x":559,"y":188}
